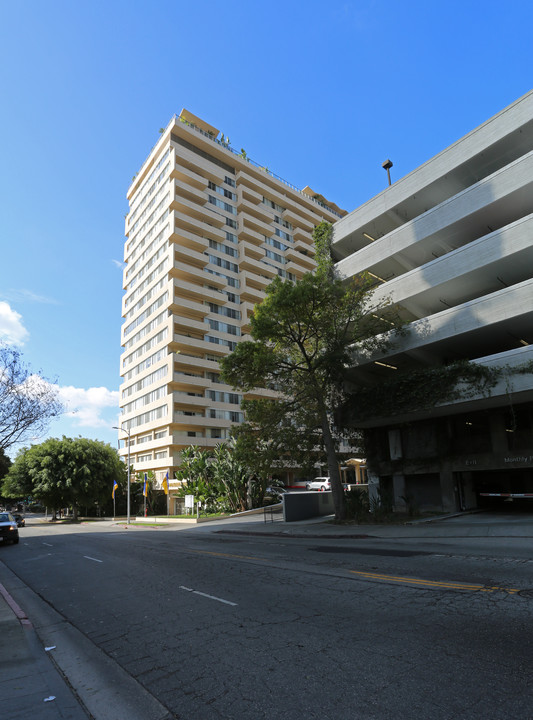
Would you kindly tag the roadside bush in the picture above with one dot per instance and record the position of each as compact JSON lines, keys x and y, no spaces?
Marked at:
{"x":357,"y":505}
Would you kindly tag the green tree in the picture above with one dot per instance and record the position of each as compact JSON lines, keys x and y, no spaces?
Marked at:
{"x":196,"y":475}
{"x":66,"y":473}
{"x":304,"y":335}
{"x":5,"y":464}
{"x":233,"y":479}
{"x":28,"y":401}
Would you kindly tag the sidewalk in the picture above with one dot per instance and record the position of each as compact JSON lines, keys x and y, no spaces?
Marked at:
{"x":30,"y":684}
{"x":457,"y":525}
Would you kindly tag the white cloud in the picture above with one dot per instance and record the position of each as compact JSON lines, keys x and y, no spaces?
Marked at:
{"x":23,"y":295}
{"x":12,"y":331}
{"x":86,"y":406}
{"x":119,"y":264}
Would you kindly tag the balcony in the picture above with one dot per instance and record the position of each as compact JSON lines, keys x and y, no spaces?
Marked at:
{"x":251,"y":235}
{"x":191,"y":273}
{"x":306,"y":247}
{"x":183,"y":382}
{"x":190,"y":257}
{"x":256,"y":266}
{"x":195,"y":226}
{"x":189,"y":240}
{"x":247,"y":249}
{"x":190,"y":193}
{"x":189,"y":176}
{"x":297,"y":221}
{"x":295,"y":268}
{"x":251,"y":195}
{"x":193,"y":363}
{"x":196,"y":291}
{"x":203,"y":213}
{"x":256,"y":211}
{"x":261,"y":394}
{"x":189,"y":308}
{"x":185,"y":344}
{"x":302,"y":235}
{"x":249,"y":280}
{"x":249,"y":221}
{"x":251,"y":294}
{"x":299,"y":259}
{"x":188,"y":326}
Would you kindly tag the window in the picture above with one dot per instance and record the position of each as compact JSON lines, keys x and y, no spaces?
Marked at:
{"x":146,"y":417}
{"x":271,"y":204}
{"x":222,"y":205}
{"x":223,"y":327}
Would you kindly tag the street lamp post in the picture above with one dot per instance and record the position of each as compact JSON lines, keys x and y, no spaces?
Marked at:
{"x":387,"y":166}
{"x":129,"y":467}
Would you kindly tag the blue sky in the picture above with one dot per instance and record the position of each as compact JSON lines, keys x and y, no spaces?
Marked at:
{"x":321,"y":93}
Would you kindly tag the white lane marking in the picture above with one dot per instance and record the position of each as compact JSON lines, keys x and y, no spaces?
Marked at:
{"x":91,"y":558}
{"x":38,"y":557}
{"x":210,"y":597}
{"x":48,"y":544}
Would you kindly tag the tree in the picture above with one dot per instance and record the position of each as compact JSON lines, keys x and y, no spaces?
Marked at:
{"x":220,"y":479}
{"x":304,"y":335}
{"x":66,"y":473}
{"x":233,"y":479}
{"x":196,"y":475}
{"x":5,"y":464}
{"x":28,"y":401}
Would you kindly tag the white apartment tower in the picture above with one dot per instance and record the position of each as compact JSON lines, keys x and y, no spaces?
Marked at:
{"x":207,"y":231}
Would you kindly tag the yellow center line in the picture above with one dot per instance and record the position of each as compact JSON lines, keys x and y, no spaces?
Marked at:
{"x":431,"y":583}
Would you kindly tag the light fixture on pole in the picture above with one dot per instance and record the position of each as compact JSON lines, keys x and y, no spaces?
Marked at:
{"x":387,"y":166}
{"x":129,"y":467}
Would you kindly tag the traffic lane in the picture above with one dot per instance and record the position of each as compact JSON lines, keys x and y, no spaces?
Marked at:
{"x":364,"y":555}
{"x":487,"y":561}
{"x":188,"y":648}
{"x":403,"y":559}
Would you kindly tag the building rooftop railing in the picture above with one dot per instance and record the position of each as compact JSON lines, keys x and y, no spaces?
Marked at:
{"x":227,"y":146}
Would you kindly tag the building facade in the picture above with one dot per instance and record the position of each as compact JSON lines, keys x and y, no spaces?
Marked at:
{"x":451,"y":245}
{"x":207,"y":231}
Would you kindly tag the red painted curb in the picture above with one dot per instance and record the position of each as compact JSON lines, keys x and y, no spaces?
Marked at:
{"x":19,"y":612}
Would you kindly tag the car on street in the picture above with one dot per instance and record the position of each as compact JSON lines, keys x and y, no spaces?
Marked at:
{"x":8,"y":528}
{"x":19,"y":519}
{"x":319,"y":483}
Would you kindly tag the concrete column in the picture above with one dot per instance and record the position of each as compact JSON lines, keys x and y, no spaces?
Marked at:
{"x":398,"y":485}
{"x":498,"y":438}
{"x":447,"y":489}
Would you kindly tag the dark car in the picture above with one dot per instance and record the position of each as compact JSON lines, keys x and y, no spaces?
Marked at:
{"x":19,"y":519}
{"x":8,"y":528}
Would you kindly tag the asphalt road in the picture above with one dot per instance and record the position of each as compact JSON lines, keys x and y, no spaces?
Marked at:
{"x":198,"y":624}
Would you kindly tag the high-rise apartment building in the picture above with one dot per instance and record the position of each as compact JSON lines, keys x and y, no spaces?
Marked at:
{"x":207,"y":231}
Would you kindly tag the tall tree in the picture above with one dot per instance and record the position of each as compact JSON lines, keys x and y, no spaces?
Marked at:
{"x":28,"y":401}
{"x":304,"y":335}
{"x":65,"y":473}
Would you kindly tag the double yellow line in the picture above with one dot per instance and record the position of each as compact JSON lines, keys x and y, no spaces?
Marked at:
{"x":418,"y":582}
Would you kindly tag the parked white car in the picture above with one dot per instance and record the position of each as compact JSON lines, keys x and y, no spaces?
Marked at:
{"x":319,"y":483}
